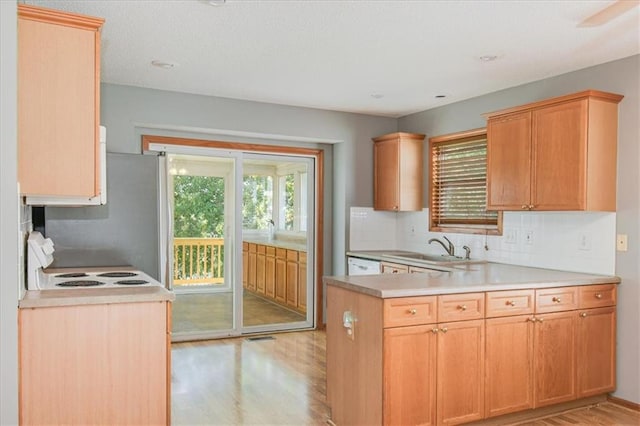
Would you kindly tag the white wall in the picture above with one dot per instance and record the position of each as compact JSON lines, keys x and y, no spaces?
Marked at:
{"x":9,"y":277}
{"x":570,"y":241}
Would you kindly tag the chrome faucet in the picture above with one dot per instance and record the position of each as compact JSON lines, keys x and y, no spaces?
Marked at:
{"x":450,"y":249}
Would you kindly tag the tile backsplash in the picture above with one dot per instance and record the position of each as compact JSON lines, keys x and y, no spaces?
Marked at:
{"x":572,"y":241}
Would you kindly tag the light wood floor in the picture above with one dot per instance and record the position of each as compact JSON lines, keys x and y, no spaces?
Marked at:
{"x":213,"y":311}
{"x":282,"y":382}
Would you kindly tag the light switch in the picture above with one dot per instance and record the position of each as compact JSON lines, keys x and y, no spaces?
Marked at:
{"x":621,"y":242}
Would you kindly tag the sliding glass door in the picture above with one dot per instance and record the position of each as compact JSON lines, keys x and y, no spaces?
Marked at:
{"x":240,"y":238}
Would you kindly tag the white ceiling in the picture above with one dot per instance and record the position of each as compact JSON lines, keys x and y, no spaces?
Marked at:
{"x":336,"y":54}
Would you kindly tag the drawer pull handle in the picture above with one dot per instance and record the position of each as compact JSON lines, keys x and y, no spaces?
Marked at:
{"x":598,"y":295}
{"x":412,"y":311}
{"x":556,"y":300}
{"x":583,"y":315}
{"x":444,"y":329}
{"x":434,"y":330}
{"x":511,"y":303}
{"x":394,"y":271}
{"x":540,"y":319}
{"x":462,"y":307}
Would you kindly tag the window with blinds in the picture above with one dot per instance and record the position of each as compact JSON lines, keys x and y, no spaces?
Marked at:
{"x":458,"y":184}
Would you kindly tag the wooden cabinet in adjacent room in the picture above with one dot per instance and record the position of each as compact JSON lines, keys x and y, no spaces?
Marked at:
{"x":556,"y":154}
{"x":398,"y":172}
{"x":252,"y":268}
{"x":95,"y":364}
{"x":281,"y":275}
{"x":302,"y":281}
{"x":261,"y":258}
{"x":292,"y":278}
{"x":270,"y":272}
{"x":58,"y":103}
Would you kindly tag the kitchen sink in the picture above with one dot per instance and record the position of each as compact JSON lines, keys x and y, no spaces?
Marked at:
{"x":429,"y":258}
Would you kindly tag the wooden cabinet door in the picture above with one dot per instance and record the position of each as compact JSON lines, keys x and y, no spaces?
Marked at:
{"x":460,"y":371}
{"x":509,"y":162}
{"x":253,"y":260}
{"x":281,"y":280}
{"x":58,"y":102}
{"x":509,"y":365}
{"x":559,"y":156}
{"x":386,"y":181}
{"x":94,"y":364}
{"x":292,"y":283}
{"x":260,"y":269}
{"x":302,"y":282}
{"x":596,"y":351}
{"x":409,"y":375}
{"x":270,"y":276}
{"x":245,"y":265}
{"x":555,"y":358}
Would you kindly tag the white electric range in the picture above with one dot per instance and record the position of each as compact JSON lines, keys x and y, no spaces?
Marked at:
{"x":40,"y":255}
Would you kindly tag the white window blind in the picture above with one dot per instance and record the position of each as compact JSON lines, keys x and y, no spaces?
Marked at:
{"x":459,"y":184}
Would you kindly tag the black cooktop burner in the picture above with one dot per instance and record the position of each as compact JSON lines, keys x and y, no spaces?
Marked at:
{"x":117,"y":274}
{"x":80,"y":283}
{"x":132,"y":282}
{"x":72,"y":275}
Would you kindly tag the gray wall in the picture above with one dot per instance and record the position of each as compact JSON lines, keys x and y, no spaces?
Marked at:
{"x":122,"y":232}
{"x":128,"y":112}
{"x":619,"y":77}
{"x":9,"y":262}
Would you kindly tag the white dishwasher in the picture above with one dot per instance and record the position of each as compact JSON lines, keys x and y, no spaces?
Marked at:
{"x":357,"y":266}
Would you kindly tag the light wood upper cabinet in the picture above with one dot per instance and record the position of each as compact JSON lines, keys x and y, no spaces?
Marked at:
{"x":58,"y":103}
{"x":557,"y":154}
{"x":398,"y":175}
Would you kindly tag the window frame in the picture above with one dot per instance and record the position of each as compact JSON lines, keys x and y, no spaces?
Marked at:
{"x":452,"y":138}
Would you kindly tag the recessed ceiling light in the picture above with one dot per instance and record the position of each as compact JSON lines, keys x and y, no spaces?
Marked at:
{"x":441,"y":96}
{"x":488,"y":58}
{"x":164,"y":64}
{"x":377,"y":95}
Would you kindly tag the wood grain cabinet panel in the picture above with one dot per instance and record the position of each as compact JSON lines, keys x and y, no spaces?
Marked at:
{"x":556,"y":299}
{"x":597,"y":296}
{"x":58,"y":103}
{"x":261,"y":258}
{"x":409,"y":376}
{"x":302,"y":281}
{"x":292,"y":278}
{"x":270,"y":273}
{"x":398,"y":172}
{"x":460,"y":372}
{"x":95,"y":364}
{"x":459,"y":307}
{"x":404,"y":311}
{"x":510,"y":303}
{"x":509,"y":365}
{"x":596,"y":348}
{"x":556,"y":154}
{"x":555,"y":358}
{"x":252,"y":267}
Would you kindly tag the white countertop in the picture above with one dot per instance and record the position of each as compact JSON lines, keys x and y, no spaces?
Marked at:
{"x":475,"y":277}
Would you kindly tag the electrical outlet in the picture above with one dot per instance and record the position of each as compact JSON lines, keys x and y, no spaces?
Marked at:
{"x":621,"y":242}
{"x":511,"y":236}
{"x":528,"y":236}
{"x":584,"y":241}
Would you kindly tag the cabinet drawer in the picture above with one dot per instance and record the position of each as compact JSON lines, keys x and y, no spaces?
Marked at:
{"x":459,"y":307}
{"x":302,"y":256}
{"x":245,"y":246}
{"x":393,"y":268}
{"x":596,"y":296}
{"x":281,"y":253}
{"x":292,"y":255}
{"x":402,"y":311}
{"x":253,"y":247}
{"x":507,"y":303}
{"x":262,"y":249}
{"x":556,"y":299}
{"x":271,"y":251}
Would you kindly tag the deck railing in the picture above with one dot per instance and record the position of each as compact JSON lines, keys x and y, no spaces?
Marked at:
{"x":198,"y":261}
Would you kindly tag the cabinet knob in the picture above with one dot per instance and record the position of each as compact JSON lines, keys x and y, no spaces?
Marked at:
{"x":434,"y":330}
{"x":531,"y":206}
{"x":540,"y":319}
{"x":583,"y":315}
{"x":556,"y":300}
{"x":511,"y":303}
{"x":444,"y":329}
{"x":394,"y":271}
{"x":532,"y":319}
{"x":598,"y":295}
{"x":525,"y":207}
{"x":462,"y":307}
{"x":412,"y":311}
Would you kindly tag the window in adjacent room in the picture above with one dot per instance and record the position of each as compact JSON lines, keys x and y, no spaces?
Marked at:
{"x":458,"y":185}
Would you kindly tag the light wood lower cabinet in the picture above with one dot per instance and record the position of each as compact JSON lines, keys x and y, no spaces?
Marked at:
{"x":95,"y":364}
{"x":276,"y":273}
{"x":446,"y":360}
